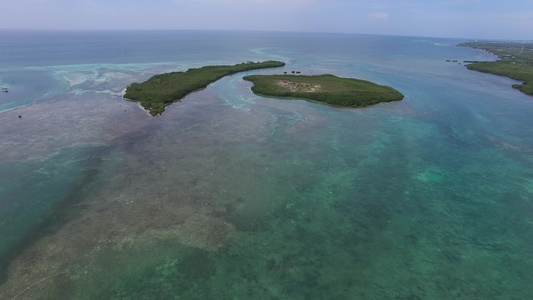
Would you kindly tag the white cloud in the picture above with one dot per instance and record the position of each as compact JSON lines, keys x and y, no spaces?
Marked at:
{"x":271,"y":5}
{"x":379,"y":16}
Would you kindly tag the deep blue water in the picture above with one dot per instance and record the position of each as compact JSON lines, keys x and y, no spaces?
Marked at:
{"x":229,"y":195}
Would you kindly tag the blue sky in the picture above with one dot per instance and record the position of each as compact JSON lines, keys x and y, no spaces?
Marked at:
{"x":482,"y":19}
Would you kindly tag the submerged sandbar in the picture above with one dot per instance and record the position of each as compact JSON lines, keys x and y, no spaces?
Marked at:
{"x":329,"y":89}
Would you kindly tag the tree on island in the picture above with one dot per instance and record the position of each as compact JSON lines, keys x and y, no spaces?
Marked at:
{"x":164,"y":89}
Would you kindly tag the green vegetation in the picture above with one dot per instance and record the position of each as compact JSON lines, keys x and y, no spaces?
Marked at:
{"x":519,"y":72}
{"x":164,"y":89}
{"x":516,"y":62}
{"x":329,"y":89}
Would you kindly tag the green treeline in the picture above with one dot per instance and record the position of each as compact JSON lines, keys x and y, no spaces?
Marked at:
{"x":516,"y":62}
{"x":332,"y":90}
{"x":164,"y":89}
{"x":512,"y":70}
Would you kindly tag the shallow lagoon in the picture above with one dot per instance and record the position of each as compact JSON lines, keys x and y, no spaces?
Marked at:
{"x":229,"y":195}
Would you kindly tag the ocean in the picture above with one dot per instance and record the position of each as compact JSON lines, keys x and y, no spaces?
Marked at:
{"x":231,"y":195}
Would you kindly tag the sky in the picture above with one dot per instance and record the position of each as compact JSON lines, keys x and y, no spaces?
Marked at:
{"x":473,"y":19}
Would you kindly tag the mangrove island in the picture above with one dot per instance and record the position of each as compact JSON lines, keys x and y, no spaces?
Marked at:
{"x":516,"y":62}
{"x":328,"y":89}
{"x":165,"y":89}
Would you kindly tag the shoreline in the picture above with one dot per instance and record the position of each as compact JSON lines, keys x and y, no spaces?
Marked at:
{"x":123,"y":92}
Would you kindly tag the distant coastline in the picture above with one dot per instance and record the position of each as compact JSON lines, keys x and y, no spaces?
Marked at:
{"x":516,"y":62}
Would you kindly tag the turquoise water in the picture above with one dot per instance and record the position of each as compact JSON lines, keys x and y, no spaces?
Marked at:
{"x":229,"y":195}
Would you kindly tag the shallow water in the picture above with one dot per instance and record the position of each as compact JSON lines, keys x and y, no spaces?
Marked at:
{"x":228,"y":195}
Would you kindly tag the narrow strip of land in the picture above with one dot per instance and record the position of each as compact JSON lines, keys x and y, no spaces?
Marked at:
{"x":328,"y":89}
{"x":164,"y":89}
{"x":516,"y":62}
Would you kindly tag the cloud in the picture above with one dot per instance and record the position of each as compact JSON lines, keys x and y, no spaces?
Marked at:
{"x":379,"y":16}
{"x":450,"y":18}
{"x":254,"y":5}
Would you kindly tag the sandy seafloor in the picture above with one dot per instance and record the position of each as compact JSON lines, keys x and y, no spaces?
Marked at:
{"x":229,"y":195}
